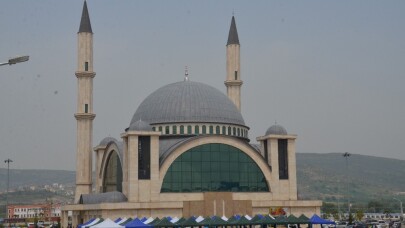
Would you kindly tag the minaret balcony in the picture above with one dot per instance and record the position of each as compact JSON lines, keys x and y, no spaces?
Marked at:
{"x":84,"y":74}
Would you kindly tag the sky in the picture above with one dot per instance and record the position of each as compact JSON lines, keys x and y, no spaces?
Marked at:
{"x":331,"y":72}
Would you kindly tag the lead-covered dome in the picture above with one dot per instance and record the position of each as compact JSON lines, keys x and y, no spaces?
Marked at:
{"x":188,"y":102}
{"x":276,"y":130}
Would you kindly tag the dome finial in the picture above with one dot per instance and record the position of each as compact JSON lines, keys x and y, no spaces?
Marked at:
{"x":186,"y":74}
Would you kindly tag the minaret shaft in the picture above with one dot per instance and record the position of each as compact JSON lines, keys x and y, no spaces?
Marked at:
{"x":233,"y":81}
{"x":84,"y":114}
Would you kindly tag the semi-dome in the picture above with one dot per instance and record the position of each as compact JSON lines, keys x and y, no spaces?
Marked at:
{"x":276,"y":130}
{"x":140,"y":126}
{"x":188,"y":102}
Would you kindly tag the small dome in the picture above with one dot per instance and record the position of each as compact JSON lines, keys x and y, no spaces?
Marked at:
{"x":188,"y":101}
{"x":107,"y":141}
{"x":140,"y":126}
{"x":276,"y":130}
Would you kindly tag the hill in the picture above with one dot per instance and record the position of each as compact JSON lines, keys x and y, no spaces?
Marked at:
{"x":323,"y":176}
{"x":320,"y":176}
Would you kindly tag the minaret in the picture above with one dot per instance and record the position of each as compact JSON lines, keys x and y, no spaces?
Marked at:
{"x":84,"y":114}
{"x":233,"y":83}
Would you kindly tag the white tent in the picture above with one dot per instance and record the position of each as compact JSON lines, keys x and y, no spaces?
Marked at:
{"x":107,"y":223}
{"x":95,"y":221}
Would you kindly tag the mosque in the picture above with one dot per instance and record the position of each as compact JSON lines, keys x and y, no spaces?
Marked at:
{"x":185,"y":152}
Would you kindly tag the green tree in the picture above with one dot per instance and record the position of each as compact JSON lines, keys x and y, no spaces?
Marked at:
{"x":375,"y":206}
{"x":350,"y":219}
{"x":359,"y":215}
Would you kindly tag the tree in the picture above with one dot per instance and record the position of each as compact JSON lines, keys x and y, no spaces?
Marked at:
{"x":350,"y":218}
{"x":359,"y":215}
{"x":374,"y":206}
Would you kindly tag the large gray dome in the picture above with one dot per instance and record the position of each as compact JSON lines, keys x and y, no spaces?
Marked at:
{"x":188,"y":102}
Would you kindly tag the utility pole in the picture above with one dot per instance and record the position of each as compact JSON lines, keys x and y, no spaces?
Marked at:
{"x":8,"y":160}
{"x":347,"y":155}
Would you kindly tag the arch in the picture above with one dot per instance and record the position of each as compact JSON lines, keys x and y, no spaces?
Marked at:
{"x":211,"y":130}
{"x":229,"y":130}
{"x":217,"y":130}
{"x":223,"y":130}
{"x":181,"y":129}
{"x":112,"y":172}
{"x":229,"y":141}
{"x":167,"y":130}
{"x":174,"y":130}
{"x":161,"y":129}
{"x":204,"y":130}
{"x":197,"y":129}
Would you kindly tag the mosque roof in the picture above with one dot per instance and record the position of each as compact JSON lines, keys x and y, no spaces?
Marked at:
{"x":85,"y":25}
{"x":106,"y":197}
{"x":188,"y":102}
{"x":233,"y":33}
{"x":276,"y":130}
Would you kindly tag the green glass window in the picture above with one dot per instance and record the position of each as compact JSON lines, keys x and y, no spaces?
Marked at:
{"x":217,"y":130}
{"x":238,"y":131}
{"x":214,"y":167}
{"x":174,"y":130}
{"x":204,"y":129}
{"x":160,"y":129}
{"x":223,"y":130}
{"x":211,"y":130}
{"x":167,"y":130}
{"x":197,"y":130}
{"x":153,"y":129}
{"x":234,"y":131}
{"x":188,"y":129}
{"x":182,"y":129}
{"x":229,"y":130}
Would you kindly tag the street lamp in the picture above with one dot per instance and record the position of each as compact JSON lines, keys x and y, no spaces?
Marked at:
{"x":15,"y":60}
{"x":400,"y":205}
{"x":347,"y":155}
{"x":8,"y":160}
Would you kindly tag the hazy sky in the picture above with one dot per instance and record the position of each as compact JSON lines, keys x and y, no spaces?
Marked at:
{"x":330,"y":71}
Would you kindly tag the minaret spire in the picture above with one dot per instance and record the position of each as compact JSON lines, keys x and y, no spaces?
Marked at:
{"x":84,"y":114}
{"x":233,"y":83}
{"x":85,"y":25}
{"x":233,"y":33}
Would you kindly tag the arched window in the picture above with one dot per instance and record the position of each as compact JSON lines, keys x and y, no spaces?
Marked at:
{"x":167,"y":130}
{"x":160,"y":129}
{"x":217,"y":130}
{"x":153,"y":128}
{"x":174,"y":129}
{"x":197,"y":129}
{"x":181,"y":129}
{"x":229,"y":131}
{"x":189,"y":129}
{"x":234,"y":131}
{"x":211,"y":130}
{"x":223,"y":130}
{"x":214,"y":167}
{"x":238,"y":131}
{"x":204,"y":130}
{"x":112,"y":180}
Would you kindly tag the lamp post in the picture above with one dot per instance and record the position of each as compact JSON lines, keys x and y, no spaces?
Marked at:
{"x":8,"y":160}
{"x":15,"y":60}
{"x":347,"y":155}
{"x":402,"y":211}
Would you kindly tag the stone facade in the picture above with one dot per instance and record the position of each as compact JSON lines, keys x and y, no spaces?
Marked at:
{"x":136,"y":166}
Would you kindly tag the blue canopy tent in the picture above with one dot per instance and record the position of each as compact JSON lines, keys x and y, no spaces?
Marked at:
{"x":136,"y":223}
{"x":315,"y":219}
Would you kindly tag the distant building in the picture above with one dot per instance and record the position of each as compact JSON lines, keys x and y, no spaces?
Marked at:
{"x":185,"y":152}
{"x":46,"y":211}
